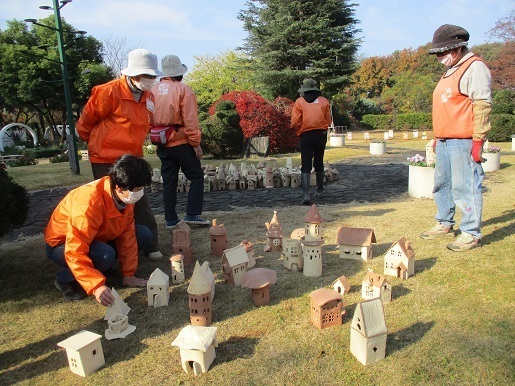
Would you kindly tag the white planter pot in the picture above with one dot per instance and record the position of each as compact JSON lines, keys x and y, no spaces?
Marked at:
{"x":492,"y":163}
{"x":337,"y":140}
{"x":377,"y":148}
{"x":513,"y":143}
{"x":421,"y":181}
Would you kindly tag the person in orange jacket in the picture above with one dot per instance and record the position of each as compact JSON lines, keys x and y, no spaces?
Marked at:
{"x":93,"y":226}
{"x":311,"y":116}
{"x":116,"y":121}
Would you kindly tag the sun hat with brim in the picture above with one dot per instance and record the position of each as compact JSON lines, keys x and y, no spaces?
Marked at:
{"x":141,"y":62}
{"x":448,"y":37}
{"x":308,"y":85}
{"x":171,"y":66}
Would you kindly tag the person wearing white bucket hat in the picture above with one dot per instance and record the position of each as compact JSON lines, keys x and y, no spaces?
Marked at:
{"x":176,"y":112}
{"x":115,"y":121}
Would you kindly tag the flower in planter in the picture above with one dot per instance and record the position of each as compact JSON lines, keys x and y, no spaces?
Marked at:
{"x":418,"y":160}
{"x":492,"y":149}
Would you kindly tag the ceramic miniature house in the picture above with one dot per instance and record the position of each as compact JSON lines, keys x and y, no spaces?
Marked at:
{"x":292,"y":255}
{"x":259,"y":281}
{"x":341,"y":285}
{"x":181,"y":242}
{"x":274,"y":234}
{"x":158,"y":293}
{"x":368,"y":332}
{"x":326,"y":308}
{"x":355,"y":243}
{"x":313,"y":224}
{"x":399,"y":259}
{"x":430,"y":153}
{"x":197,"y":346}
{"x":312,"y":243}
{"x":218,"y":236}
{"x":234,"y":264}
{"x":210,"y":277}
{"x":376,"y":286}
{"x":118,"y":327}
{"x":119,"y":307}
{"x":84,"y":351}
{"x":249,"y":248}
{"x":200,"y":300}
{"x":177,"y":268}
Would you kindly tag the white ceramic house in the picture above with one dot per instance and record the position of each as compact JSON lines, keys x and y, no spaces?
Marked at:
{"x":210,"y":277}
{"x":368,"y":332}
{"x":118,"y":327}
{"x":399,"y":259}
{"x":312,"y":257}
{"x":84,"y":351}
{"x":197,"y":346}
{"x":355,"y":243}
{"x":158,"y":285}
{"x":119,"y":307}
{"x":235,"y":262}
{"x":177,"y":268}
{"x":341,"y":285}
{"x":313,"y":224}
{"x":292,"y":255}
{"x":430,"y":153}
{"x":375,"y":286}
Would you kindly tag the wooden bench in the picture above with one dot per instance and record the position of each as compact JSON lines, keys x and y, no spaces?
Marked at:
{"x":10,"y":157}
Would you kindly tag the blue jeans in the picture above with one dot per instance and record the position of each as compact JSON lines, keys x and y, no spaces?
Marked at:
{"x":173,"y":159}
{"x":458,"y":183}
{"x":101,"y":254}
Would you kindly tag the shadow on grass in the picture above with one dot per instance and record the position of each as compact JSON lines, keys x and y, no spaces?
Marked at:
{"x":237,"y":347}
{"x":424,"y":264}
{"x":406,"y":337}
{"x":398,"y":291}
{"x":500,"y":233}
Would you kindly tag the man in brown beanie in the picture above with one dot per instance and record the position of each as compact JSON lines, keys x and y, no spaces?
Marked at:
{"x":462,"y":102}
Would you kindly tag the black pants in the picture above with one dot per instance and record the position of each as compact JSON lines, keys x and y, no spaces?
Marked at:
{"x":312,"y":148}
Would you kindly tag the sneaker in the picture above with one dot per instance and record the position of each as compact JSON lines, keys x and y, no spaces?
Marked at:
{"x":172,"y":224}
{"x":189,"y":219}
{"x":72,"y":291}
{"x":464,"y":242}
{"x":156,"y":255}
{"x":438,"y":230}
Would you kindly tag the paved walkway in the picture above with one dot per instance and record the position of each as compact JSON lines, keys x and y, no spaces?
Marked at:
{"x":362,"y":179}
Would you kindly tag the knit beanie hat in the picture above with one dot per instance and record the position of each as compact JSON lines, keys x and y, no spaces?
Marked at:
{"x":448,"y":37}
{"x":171,"y":66}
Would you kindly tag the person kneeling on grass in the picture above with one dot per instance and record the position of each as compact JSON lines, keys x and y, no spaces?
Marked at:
{"x":93,"y":226}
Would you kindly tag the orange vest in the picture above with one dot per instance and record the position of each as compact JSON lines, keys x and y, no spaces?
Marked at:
{"x":86,"y":214}
{"x":452,"y":111}
{"x":311,"y":116}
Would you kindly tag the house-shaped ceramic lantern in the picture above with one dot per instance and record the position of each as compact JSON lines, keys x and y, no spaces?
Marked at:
{"x":326,"y":308}
{"x":368,"y":332}
{"x":197,"y":346}
{"x":355,"y":243}
{"x":158,"y":293}
{"x":181,"y":242}
{"x":274,"y":235}
{"x":376,"y":286}
{"x":313,"y":224}
{"x":292,"y":255}
{"x":430,"y":153}
{"x":210,"y":277}
{"x":399,"y":259}
{"x":249,"y":248}
{"x":312,"y":243}
{"x":341,"y":285}
{"x":259,"y":281}
{"x":118,"y":327}
{"x":234,"y":264}
{"x":84,"y":351}
{"x":119,"y":307}
{"x":199,"y":298}
{"x":218,"y":236}
{"x":177,"y":268}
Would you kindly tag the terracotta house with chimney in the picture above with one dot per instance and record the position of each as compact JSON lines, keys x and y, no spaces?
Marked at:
{"x":249,"y":248}
{"x":376,"y":286}
{"x":355,"y":243}
{"x":326,"y":308}
{"x":234,"y":264}
{"x":399,"y":259}
{"x":199,"y":298}
{"x":218,"y":236}
{"x":181,"y":241}
{"x":274,"y":234}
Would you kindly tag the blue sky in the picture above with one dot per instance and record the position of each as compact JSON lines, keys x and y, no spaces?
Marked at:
{"x":210,"y":27}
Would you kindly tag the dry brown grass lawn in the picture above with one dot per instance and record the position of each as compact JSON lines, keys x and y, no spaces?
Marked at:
{"x":453,"y":323}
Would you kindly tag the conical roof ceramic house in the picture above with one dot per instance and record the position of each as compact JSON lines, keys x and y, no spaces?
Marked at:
{"x":234,"y":264}
{"x":292,"y":255}
{"x":210,"y":277}
{"x":368,"y":332}
{"x":181,"y":241}
{"x":119,"y":307}
{"x":259,"y":281}
{"x":399,"y":259}
{"x":199,"y":298}
{"x":274,"y":234}
{"x":326,"y":308}
{"x":218,"y":236}
{"x":312,"y":243}
{"x":197,"y":346}
{"x":84,"y":351}
{"x":158,"y":289}
{"x":376,"y":286}
{"x":341,"y":285}
{"x":355,"y":243}
{"x":177,"y":268}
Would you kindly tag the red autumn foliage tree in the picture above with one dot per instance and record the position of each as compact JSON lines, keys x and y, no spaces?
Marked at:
{"x":259,"y":117}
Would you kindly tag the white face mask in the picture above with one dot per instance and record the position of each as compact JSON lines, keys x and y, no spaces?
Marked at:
{"x":133,"y":196}
{"x":447,"y":60}
{"x":144,"y":84}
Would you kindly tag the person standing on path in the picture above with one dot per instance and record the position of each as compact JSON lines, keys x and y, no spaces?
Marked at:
{"x":462,"y":103}
{"x":311,"y":116}
{"x":176,"y":111}
{"x":115,"y":121}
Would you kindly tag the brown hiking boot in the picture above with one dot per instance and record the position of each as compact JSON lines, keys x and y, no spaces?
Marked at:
{"x":438,"y":230}
{"x":464,"y":242}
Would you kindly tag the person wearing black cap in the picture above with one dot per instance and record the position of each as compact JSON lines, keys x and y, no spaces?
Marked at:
{"x":311,"y":116}
{"x":462,"y":103}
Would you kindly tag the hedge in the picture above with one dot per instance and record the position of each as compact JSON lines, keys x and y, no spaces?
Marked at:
{"x":503,"y":128}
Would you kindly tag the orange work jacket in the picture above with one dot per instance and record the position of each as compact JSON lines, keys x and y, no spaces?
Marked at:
{"x":113,"y":123}
{"x":86,"y":214}
{"x":311,"y":116}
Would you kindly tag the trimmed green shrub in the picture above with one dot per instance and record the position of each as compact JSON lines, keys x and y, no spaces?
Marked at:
{"x":503,"y":127}
{"x":221,"y":133}
{"x":14,"y":204}
{"x":42,"y":152}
